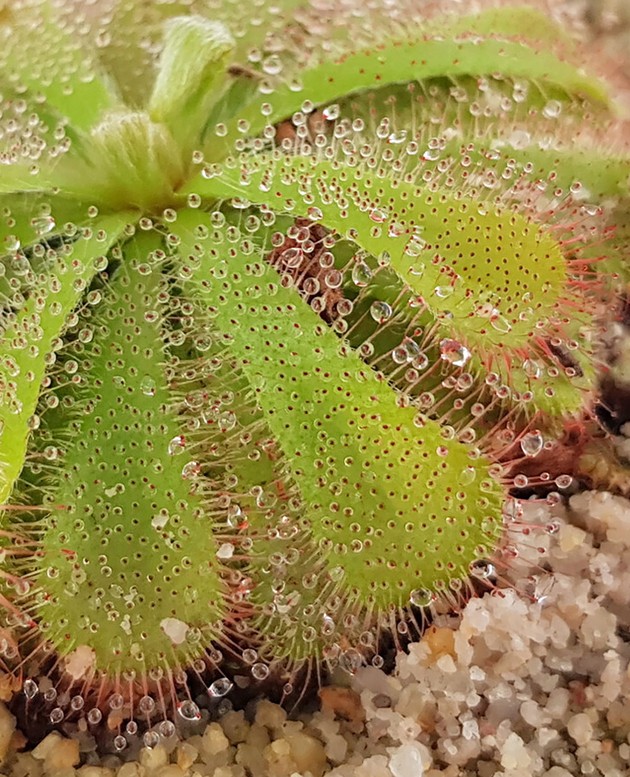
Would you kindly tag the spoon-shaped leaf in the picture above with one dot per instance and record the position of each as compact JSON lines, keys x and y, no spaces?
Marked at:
{"x":32,"y":334}
{"x":377,"y":483}
{"x":403,"y":60}
{"x":495,"y":279}
{"x":147,"y":550}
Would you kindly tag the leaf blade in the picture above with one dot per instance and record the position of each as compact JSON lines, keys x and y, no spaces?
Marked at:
{"x":402,"y":61}
{"x":69,"y":83}
{"x":30,"y":338}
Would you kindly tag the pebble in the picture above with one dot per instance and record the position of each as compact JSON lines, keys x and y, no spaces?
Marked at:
{"x":440,"y":641}
{"x":308,"y":753}
{"x":130,"y":770}
{"x":151,"y":758}
{"x":341,"y":701}
{"x":514,"y":754}
{"x":557,"y":771}
{"x":235,"y":727}
{"x":57,"y":752}
{"x":186,"y":755}
{"x":580,"y":728}
{"x":7,"y":728}
{"x":95,"y":771}
{"x":270,"y":715}
{"x":214,"y":740}
{"x":170,"y":770}
{"x":570,"y":538}
{"x":409,"y":760}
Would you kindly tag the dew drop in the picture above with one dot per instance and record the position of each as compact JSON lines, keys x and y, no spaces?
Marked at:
{"x":378,"y":216}
{"x":220,"y":687}
{"x":50,"y":695}
{"x":333,"y":279}
{"x":532,"y":443}
{"x":552,"y":109}
{"x":272,"y":65}
{"x":532,"y":368}
{"x":500,"y":323}
{"x":146,"y":705}
{"x":167,"y":729}
{"x":249,"y":655}
{"x":43,"y":225}
{"x":188,"y":710}
{"x":260,"y":671}
{"x":400,"y":355}
{"x":351,"y":660}
{"x":591,"y":209}
{"x":12,"y":243}
{"x":292,"y":257}
{"x":191,"y":470}
{"x":331,"y":112}
{"x":481,"y":569}
{"x":227,"y":421}
{"x":177,"y":445}
{"x":415,"y":245}
{"x":120,"y":743}
{"x":380,"y":311}
{"x":397,"y":137}
{"x":150,"y":739}
{"x":361,"y":274}
{"x":443,"y":291}
{"x":148,"y":386}
{"x":563,"y":481}
{"x":30,"y":688}
{"x":421,"y":597}
{"x":467,"y":476}
{"x":454,"y":352}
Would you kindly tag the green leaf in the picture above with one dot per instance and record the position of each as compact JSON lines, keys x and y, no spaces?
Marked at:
{"x":134,"y":162}
{"x":191,"y":75}
{"x":523,"y":23}
{"x":30,"y":336}
{"x":18,"y":178}
{"x":29,"y":224}
{"x":405,"y":60}
{"x":485,"y":272}
{"x":340,"y":432}
{"x":135,"y":31}
{"x":252,"y":30}
{"x":119,"y":445}
{"x":31,"y":217}
{"x":40,"y":54}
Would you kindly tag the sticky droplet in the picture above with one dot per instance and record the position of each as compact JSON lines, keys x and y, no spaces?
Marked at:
{"x":532,"y":443}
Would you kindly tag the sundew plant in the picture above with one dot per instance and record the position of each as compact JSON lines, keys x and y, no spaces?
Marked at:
{"x":292,"y":310}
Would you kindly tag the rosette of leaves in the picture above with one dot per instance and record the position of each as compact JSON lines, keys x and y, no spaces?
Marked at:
{"x":276,"y":301}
